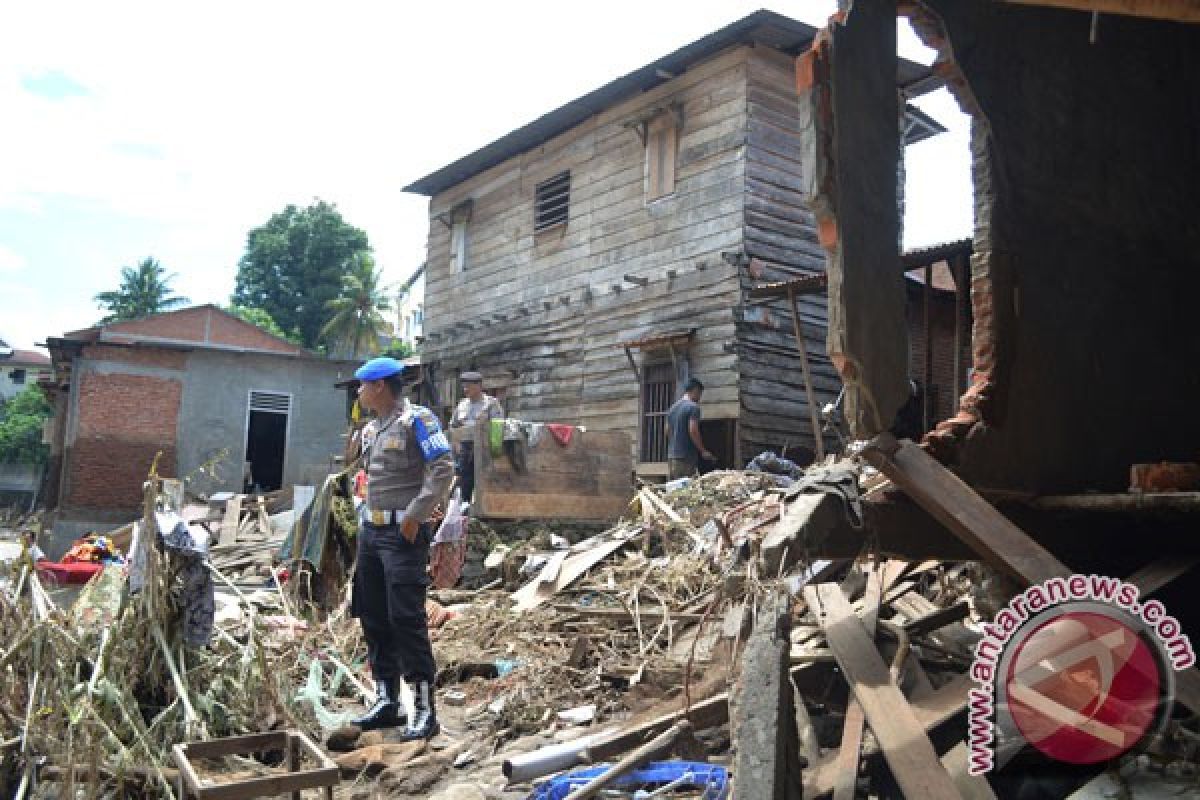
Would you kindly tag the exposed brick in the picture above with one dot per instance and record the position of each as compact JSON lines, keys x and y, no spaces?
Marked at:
{"x":144,"y":357}
{"x":124,"y":420}
{"x":203,"y":324}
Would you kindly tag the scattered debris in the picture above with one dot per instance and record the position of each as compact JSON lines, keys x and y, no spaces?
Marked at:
{"x":695,"y":628}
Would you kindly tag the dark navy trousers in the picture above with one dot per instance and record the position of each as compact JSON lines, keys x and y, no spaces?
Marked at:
{"x":390,"y":581}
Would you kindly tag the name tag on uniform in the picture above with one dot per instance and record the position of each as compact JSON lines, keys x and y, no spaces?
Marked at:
{"x":393,"y":443}
{"x":432,"y":441}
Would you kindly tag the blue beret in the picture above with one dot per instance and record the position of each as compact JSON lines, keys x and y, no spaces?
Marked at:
{"x":379,"y":368}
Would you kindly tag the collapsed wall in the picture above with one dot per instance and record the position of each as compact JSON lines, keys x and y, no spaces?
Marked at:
{"x":1086,"y":246}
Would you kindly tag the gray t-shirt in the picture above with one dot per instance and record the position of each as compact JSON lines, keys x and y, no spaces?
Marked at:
{"x":680,"y":444}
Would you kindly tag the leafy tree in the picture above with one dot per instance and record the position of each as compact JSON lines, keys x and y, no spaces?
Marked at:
{"x":293,"y":266}
{"x":399,"y":349}
{"x":145,"y":290}
{"x":358,"y":319}
{"x":21,"y":421}
{"x":263,"y":320}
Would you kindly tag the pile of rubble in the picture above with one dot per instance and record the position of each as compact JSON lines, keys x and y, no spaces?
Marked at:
{"x":693,"y":645}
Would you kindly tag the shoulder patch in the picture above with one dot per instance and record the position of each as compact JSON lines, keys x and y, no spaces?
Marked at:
{"x":430,"y":438}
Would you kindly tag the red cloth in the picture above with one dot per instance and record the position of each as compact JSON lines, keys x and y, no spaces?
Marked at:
{"x":75,"y":572}
{"x":562,"y":433}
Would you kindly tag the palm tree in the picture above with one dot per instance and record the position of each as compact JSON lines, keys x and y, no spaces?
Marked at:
{"x":358,"y":312}
{"x":145,"y":290}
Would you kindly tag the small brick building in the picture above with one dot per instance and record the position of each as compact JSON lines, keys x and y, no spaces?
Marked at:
{"x":200,"y":386}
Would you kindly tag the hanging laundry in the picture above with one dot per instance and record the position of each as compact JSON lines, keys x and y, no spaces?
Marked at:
{"x":561,"y":433}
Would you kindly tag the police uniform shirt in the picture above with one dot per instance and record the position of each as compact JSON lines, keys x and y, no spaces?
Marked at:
{"x":467,"y":413}
{"x":399,"y":449}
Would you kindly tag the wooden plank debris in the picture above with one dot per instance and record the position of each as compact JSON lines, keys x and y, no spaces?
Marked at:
{"x":976,"y":522}
{"x":561,"y":573}
{"x":233,"y":516}
{"x":908,"y":751}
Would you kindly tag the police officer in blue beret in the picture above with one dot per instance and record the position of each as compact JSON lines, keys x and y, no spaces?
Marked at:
{"x":410,"y":467}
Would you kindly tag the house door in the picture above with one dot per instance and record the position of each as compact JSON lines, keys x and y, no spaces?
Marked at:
{"x":267,"y":418}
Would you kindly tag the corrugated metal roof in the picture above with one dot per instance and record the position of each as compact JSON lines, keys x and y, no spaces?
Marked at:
{"x":933,"y":253}
{"x":761,"y":27}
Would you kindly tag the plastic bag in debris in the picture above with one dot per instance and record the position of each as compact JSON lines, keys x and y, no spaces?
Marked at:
{"x":449,"y":550}
{"x":774,"y":465}
{"x":313,"y":693}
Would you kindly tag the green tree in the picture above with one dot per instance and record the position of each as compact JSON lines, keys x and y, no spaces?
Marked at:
{"x":21,"y":421}
{"x":145,"y":290}
{"x":263,"y":320}
{"x":293,"y":266}
{"x":399,"y":349}
{"x":359,"y":312}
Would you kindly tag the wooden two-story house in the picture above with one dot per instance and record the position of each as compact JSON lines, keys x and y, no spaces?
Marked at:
{"x":591,"y":261}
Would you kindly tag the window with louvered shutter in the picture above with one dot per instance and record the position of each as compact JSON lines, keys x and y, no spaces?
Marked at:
{"x":551,"y":202}
{"x":273,"y":402}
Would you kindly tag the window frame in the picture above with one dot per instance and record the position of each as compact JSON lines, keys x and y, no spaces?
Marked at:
{"x":652,"y":438}
{"x":662,"y":153}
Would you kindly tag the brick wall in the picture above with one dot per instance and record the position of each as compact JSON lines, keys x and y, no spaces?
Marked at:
{"x":142,"y":357}
{"x":124,"y":420}
{"x":941,"y":324}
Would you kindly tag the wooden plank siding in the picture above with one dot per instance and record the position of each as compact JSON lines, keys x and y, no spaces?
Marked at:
{"x":564,"y":302}
{"x":781,"y":240}
{"x":564,"y":363}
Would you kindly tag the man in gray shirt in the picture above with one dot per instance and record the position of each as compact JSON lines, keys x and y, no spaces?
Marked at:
{"x":685,"y":448}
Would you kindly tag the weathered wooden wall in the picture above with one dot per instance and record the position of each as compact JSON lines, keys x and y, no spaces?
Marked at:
{"x":555,"y":347}
{"x":781,"y":242}
{"x":590,"y":477}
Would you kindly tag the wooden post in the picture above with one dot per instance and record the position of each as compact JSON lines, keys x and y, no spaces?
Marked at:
{"x":808,"y":387}
{"x":962,"y":273}
{"x":927,"y":406}
{"x":763,"y":719}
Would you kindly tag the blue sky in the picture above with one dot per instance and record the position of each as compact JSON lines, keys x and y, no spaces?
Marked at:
{"x":152,"y":129}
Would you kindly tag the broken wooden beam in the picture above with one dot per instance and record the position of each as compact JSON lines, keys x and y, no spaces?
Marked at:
{"x":957,"y":506}
{"x":986,"y":530}
{"x":909,"y":753}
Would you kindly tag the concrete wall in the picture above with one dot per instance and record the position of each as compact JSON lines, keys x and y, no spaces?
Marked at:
{"x":9,"y":388}
{"x":212,"y":415}
{"x":1087,"y":250}
{"x":127,"y":404}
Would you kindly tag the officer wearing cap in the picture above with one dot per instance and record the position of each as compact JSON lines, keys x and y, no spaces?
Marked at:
{"x":409,"y":470}
{"x":475,"y":403}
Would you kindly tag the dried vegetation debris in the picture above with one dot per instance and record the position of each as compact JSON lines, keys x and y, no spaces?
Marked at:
{"x":606,"y":638}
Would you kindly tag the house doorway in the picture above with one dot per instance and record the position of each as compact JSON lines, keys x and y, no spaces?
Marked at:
{"x":267,"y":417}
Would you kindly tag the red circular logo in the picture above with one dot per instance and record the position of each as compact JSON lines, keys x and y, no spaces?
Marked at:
{"x":1083,"y":687}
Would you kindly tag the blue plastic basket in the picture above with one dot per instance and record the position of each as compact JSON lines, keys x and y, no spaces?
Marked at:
{"x":712,"y":779}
